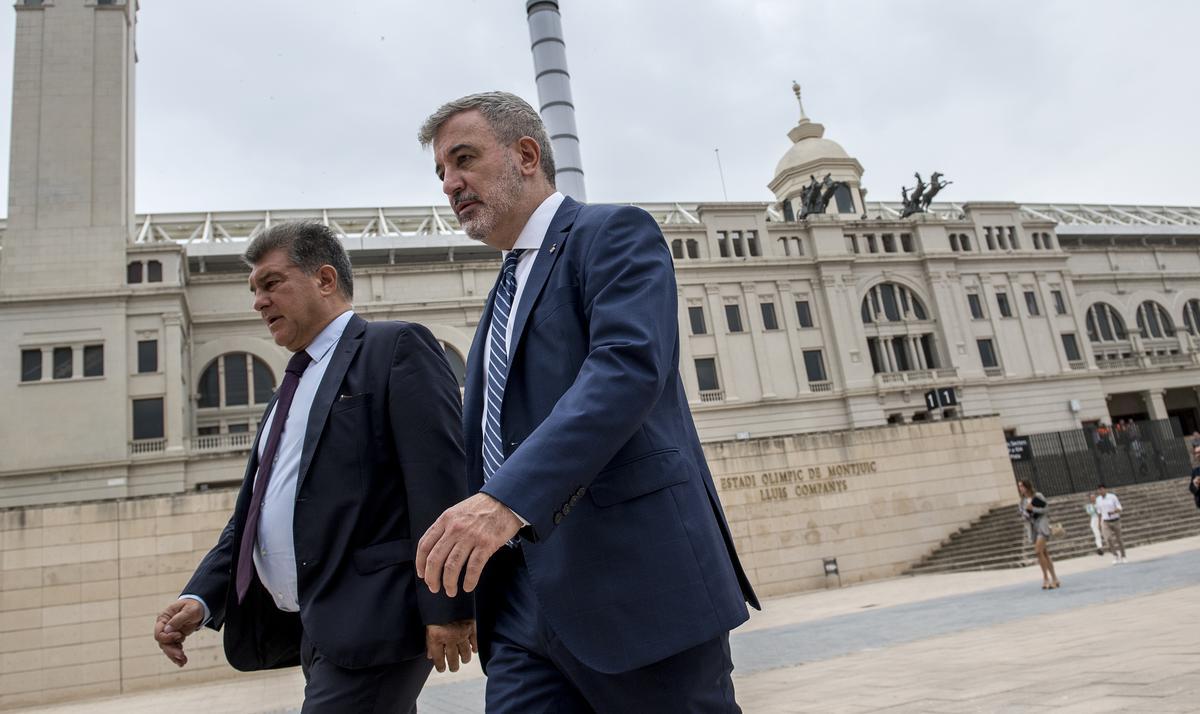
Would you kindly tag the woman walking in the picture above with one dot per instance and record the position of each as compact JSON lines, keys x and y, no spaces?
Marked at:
{"x":1094,"y":522}
{"x":1036,"y":514}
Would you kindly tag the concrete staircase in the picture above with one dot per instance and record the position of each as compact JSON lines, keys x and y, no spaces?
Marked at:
{"x":1150,"y":513}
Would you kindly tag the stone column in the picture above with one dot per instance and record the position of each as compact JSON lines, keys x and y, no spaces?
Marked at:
{"x":1155,"y":403}
{"x":687,"y":368}
{"x":175,"y":398}
{"x":1078,"y":316}
{"x":791,"y":323}
{"x":1016,"y":296}
{"x":761,"y":358}
{"x":716,"y":308}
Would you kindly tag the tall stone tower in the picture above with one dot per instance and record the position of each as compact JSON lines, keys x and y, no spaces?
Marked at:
{"x":70,"y":197}
{"x":93,"y":377}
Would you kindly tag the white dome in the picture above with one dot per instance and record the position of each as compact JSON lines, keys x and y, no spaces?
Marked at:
{"x":808,"y":150}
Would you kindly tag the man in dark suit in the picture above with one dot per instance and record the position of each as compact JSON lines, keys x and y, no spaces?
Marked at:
{"x":607,"y":578}
{"x":358,"y":453}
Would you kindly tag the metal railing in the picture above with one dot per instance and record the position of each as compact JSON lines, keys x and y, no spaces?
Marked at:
{"x":1078,"y":460}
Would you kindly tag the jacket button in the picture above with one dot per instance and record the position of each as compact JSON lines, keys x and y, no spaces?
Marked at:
{"x":580,"y":492}
{"x":566,"y":509}
{"x":304,"y":563}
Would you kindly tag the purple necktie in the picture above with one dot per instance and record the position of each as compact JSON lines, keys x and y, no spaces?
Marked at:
{"x":245,"y":567}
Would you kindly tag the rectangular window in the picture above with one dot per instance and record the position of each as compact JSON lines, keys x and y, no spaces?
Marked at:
{"x":906,"y":242}
{"x":63,"y":358}
{"x":1002,"y":303}
{"x":696,"y":315}
{"x":814,"y":365}
{"x":1031,"y":303}
{"x":752,"y":244}
{"x":733,"y":318}
{"x":735,"y":237}
{"x":723,"y":243}
{"x":1060,"y":305}
{"x":242,"y":428}
{"x":770,"y":322}
{"x":237,"y":381}
{"x":208,"y":430}
{"x":804,"y":313}
{"x":147,"y":356}
{"x":133,"y":272}
{"x":975,"y":305}
{"x":154,"y":272}
{"x":987,"y":353}
{"x":1071,"y":347}
{"x":148,"y":418}
{"x":31,"y":365}
{"x":706,"y":374}
{"x":93,"y":361}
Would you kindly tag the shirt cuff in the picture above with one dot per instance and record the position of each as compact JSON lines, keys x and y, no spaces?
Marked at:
{"x":524,"y":523}
{"x":207,"y":612}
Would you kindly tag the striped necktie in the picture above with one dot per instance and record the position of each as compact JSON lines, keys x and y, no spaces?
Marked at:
{"x":497,"y":371}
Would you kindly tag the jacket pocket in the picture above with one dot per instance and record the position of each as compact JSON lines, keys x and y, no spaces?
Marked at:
{"x":382,"y":555}
{"x":346,"y":402}
{"x":642,"y":475}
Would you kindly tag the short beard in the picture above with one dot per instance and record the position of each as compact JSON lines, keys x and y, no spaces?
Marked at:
{"x":502,"y":200}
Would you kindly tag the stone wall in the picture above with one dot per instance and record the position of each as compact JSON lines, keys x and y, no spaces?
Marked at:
{"x":80,"y":584}
{"x":876,"y":499}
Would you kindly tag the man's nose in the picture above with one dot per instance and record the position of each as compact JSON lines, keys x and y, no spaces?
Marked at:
{"x":451,"y":183}
{"x":260,"y":301}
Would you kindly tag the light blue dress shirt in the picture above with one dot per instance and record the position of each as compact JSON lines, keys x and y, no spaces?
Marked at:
{"x":275,"y":551}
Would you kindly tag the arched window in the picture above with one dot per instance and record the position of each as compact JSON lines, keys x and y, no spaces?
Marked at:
{"x":892,"y":314}
{"x":889,"y":302}
{"x":1191,"y":316}
{"x":677,"y":249}
{"x":1104,"y":324}
{"x":457,"y":365}
{"x":234,"y":380}
{"x":1153,"y":321}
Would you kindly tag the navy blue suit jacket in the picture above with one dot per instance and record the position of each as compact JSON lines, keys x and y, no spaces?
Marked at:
{"x":628,"y":548}
{"x":382,"y":459}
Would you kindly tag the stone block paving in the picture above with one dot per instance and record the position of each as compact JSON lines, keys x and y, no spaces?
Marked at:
{"x":1112,"y":639}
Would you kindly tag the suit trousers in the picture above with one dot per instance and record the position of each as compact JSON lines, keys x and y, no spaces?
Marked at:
{"x":531,"y":671}
{"x":1112,"y":535}
{"x":386,"y":689}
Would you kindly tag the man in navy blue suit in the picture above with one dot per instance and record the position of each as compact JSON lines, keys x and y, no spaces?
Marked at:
{"x":607,"y":578}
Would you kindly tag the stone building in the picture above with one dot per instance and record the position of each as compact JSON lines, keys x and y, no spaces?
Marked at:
{"x":133,"y":365}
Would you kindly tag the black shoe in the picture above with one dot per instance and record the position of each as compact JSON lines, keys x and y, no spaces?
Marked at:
{"x":1100,"y":552}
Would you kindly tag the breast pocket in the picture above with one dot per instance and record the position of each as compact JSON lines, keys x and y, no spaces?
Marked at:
{"x":347,"y":402}
{"x":556,"y":301}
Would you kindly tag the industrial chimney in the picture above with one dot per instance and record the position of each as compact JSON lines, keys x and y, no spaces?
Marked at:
{"x":554,"y":94}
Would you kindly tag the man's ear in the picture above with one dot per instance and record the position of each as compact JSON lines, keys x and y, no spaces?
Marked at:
{"x":529,"y":156}
{"x":327,"y":281}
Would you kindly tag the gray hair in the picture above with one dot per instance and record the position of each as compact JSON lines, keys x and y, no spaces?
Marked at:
{"x":509,"y":116}
{"x":309,"y":245}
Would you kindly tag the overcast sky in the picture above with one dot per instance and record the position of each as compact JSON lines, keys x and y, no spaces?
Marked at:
{"x":305,"y":104}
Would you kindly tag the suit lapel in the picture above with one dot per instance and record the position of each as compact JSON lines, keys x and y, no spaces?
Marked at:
{"x":551,"y":248}
{"x":339,"y":362}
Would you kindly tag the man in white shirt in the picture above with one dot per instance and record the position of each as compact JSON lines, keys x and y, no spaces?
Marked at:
{"x":1109,"y":508}
{"x":359,"y":452}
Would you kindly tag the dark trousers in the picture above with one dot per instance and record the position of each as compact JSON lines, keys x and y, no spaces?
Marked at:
{"x":530,"y":671}
{"x":386,"y":689}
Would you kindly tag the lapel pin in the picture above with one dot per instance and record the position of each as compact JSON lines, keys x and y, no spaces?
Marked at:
{"x":553,"y":247}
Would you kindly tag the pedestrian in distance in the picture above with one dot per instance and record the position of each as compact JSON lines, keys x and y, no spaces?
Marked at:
{"x":1035,"y":512}
{"x":1109,"y":507}
{"x":1094,"y":521}
{"x":1194,"y":485}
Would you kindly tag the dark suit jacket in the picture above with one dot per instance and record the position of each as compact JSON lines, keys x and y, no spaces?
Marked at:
{"x":628,"y":548}
{"x":382,"y":459}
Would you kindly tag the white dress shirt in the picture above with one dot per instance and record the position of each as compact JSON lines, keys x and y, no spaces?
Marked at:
{"x":275,"y":551}
{"x":1109,"y":506}
{"x":530,"y":240}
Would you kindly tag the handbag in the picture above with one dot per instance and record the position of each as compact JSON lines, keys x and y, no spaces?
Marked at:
{"x":1057,"y":530}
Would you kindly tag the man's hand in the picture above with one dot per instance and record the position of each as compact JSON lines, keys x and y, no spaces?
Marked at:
{"x":467,"y":534}
{"x":447,"y":644}
{"x":172,"y":626}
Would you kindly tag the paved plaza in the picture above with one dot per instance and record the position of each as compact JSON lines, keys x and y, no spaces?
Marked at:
{"x":1113,"y":638}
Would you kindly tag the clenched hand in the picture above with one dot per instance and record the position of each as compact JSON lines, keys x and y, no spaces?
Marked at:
{"x":172,"y":626}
